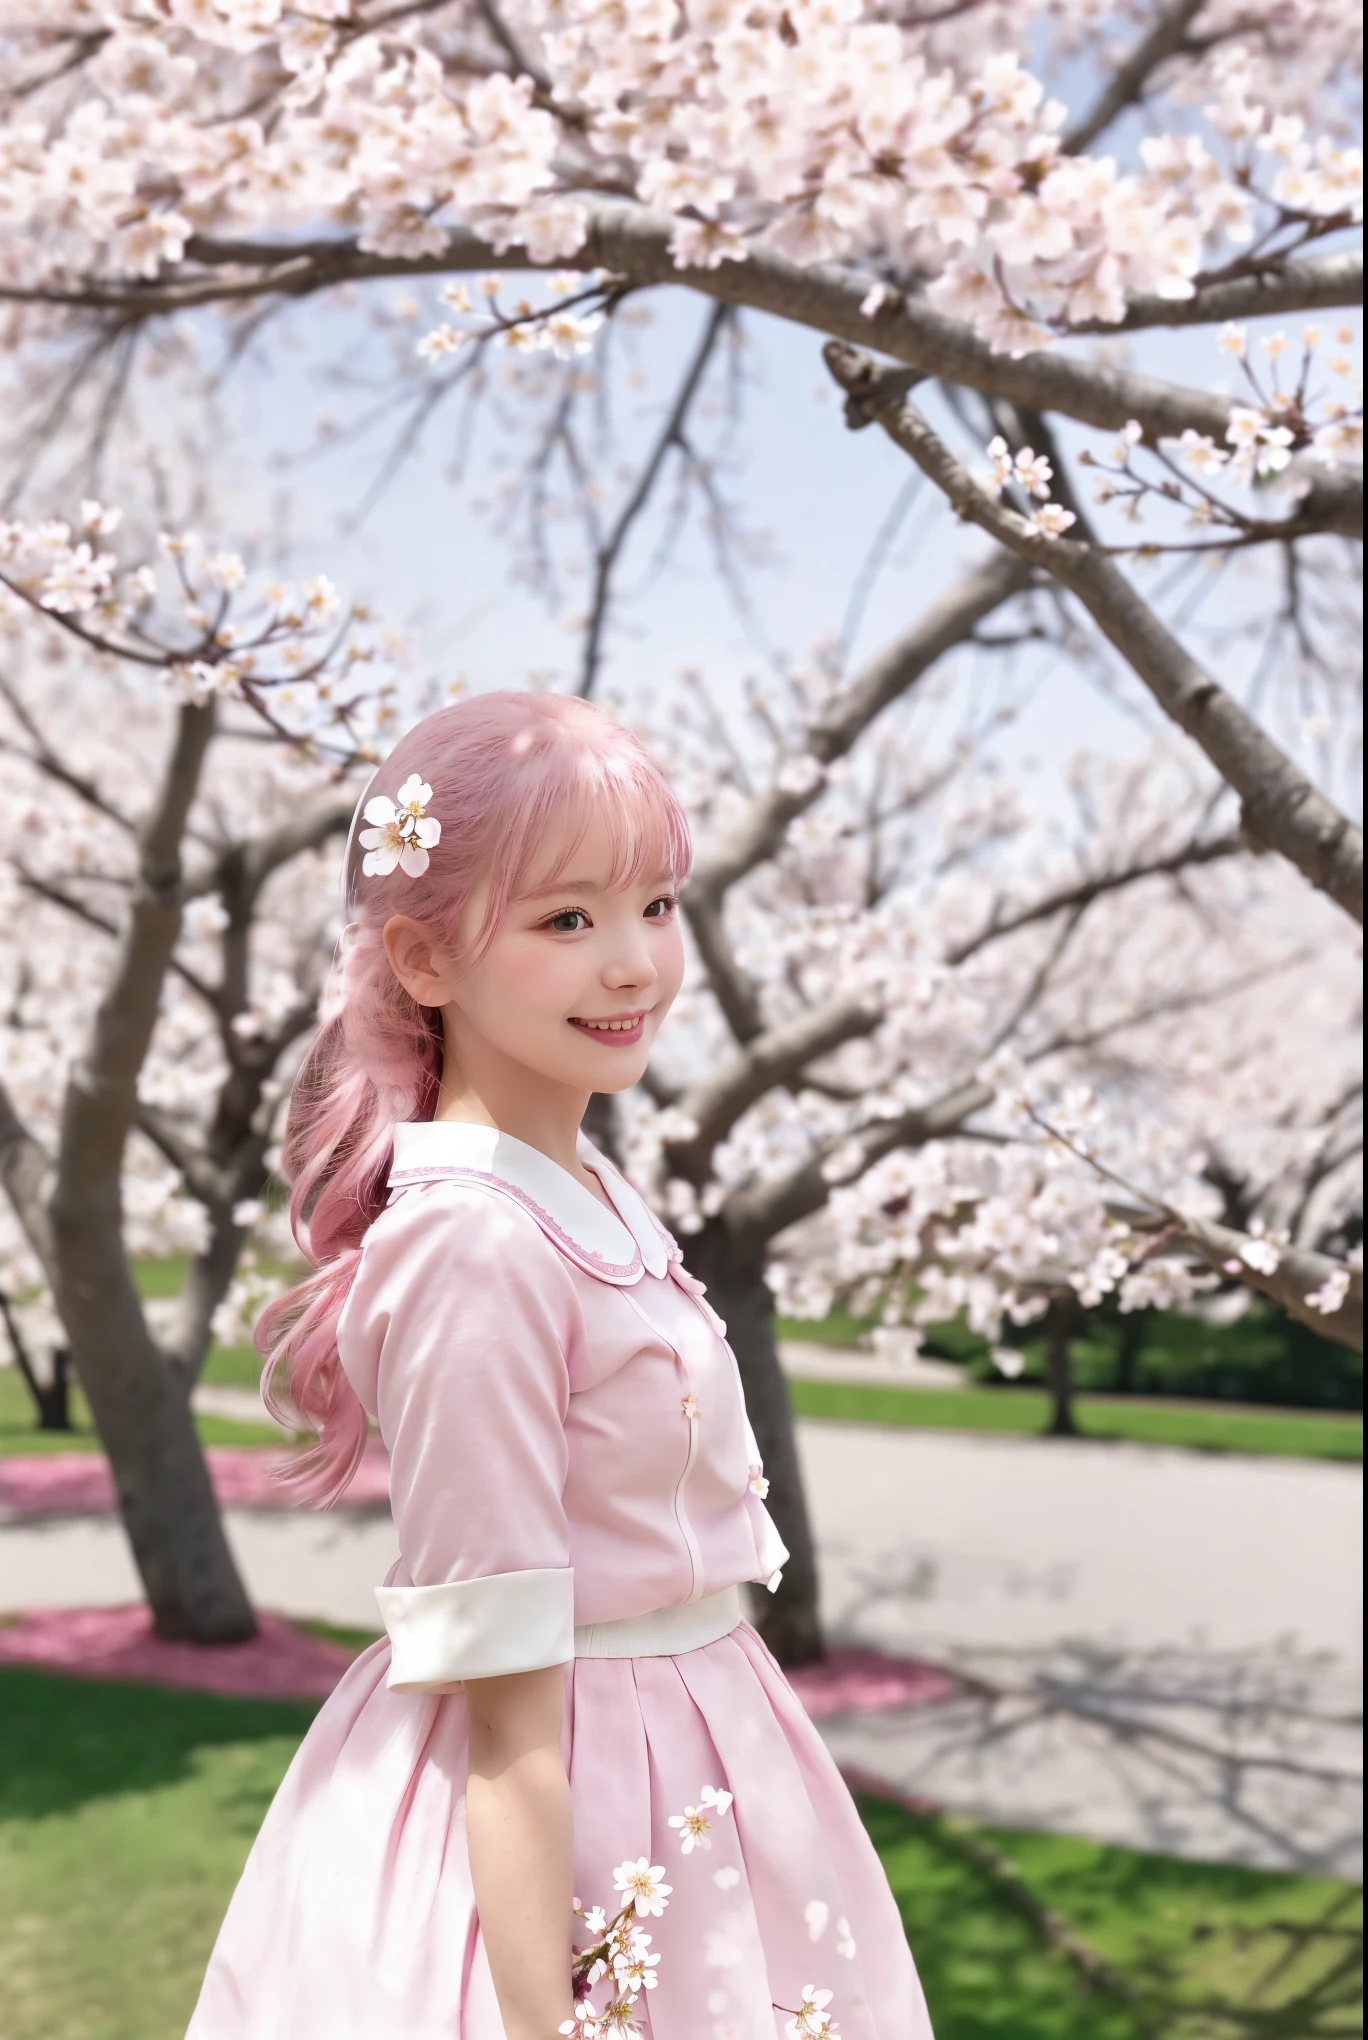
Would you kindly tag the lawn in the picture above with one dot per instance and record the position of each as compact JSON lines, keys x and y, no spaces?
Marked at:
{"x":1200,"y":1427}
{"x":125,"y":1814}
{"x":17,"y":1433}
{"x":1203,"y":1427}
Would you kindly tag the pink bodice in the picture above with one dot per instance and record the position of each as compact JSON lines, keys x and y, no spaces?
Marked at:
{"x":565,"y":1421}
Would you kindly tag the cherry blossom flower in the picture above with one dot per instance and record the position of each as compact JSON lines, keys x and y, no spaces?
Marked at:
{"x":633,"y":1967}
{"x":812,"y":2021}
{"x":1260,"y":1252}
{"x":76,"y":581}
{"x":1341,"y":439}
{"x":1331,"y":1293}
{"x":642,"y":1884}
{"x":1201,"y":454}
{"x":442,"y":342}
{"x":401,"y":833}
{"x":1051,"y":520}
{"x":693,"y":1825}
{"x":1034,"y":472}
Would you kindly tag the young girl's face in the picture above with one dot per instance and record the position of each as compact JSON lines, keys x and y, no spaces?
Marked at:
{"x":578,"y":976}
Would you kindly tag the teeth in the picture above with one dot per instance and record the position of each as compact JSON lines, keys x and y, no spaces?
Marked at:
{"x":610,"y":1026}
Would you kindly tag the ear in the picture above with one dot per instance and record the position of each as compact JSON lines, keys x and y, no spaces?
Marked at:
{"x":414,"y":961}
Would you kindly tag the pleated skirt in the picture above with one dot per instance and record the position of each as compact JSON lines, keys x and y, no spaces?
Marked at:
{"x":355,"y":1919}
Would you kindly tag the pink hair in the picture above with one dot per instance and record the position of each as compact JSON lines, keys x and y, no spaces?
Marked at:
{"x":501,"y":766}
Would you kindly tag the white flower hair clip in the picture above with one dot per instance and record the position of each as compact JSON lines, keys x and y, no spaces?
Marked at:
{"x":401,"y":833}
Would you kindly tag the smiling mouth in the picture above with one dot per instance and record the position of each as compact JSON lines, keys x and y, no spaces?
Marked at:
{"x":618,"y":1032}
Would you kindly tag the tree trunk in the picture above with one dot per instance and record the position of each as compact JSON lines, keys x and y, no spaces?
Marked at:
{"x":166,"y":1498}
{"x":142,"y":1412}
{"x":788,"y":1618}
{"x":51,"y":1399}
{"x":1061,"y":1323}
{"x":54,"y":1397}
{"x":1134,"y":1331}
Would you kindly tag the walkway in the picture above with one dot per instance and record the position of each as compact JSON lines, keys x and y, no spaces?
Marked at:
{"x":1161,"y":1649}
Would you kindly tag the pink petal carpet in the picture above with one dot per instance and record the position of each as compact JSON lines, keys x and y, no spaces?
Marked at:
{"x":284,"y":1661}
{"x":244,"y":1477}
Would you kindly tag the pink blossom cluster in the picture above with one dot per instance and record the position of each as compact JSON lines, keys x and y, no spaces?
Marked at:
{"x":294,"y":653}
{"x":819,"y":129}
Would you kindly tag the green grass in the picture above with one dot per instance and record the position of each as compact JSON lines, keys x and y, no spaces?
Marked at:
{"x":1200,"y":1427}
{"x":18,"y":1435}
{"x":1188,"y":1951}
{"x":126,"y":1813}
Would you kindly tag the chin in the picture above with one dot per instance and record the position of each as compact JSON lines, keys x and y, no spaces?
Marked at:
{"x":615,"y":1080}
{"x":613,"y":1069}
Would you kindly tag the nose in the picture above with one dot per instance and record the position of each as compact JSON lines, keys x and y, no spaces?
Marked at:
{"x":631,"y":967}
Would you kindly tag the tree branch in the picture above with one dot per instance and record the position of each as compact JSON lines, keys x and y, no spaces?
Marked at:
{"x":760,"y":1211}
{"x":26,"y":1171}
{"x":1281,"y":808}
{"x":249,"y":863}
{"x":773,"y":1058}
{"x":44,"y":759}
{"x":759,"y":831}
{"x":101,"y":1098}
{"x":1314,"y":283}
{"x":634,"y":243}
{"x":609,"y":553}
{"x":1130,"y":80}
{"x":1086,"y":890}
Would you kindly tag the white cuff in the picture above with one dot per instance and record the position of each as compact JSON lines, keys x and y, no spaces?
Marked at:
{"x":478,"y":1629}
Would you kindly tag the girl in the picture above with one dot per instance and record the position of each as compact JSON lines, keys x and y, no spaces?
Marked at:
{"x":568,"y":1710}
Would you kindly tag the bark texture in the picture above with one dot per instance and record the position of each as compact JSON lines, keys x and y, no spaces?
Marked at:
{"x":787,"y":1619}
{"x":71,"y":1208}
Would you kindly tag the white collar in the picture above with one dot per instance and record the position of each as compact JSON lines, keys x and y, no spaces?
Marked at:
{"x":617,"y":1249}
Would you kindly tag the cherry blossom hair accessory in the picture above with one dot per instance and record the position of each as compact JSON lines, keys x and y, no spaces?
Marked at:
{"x":399,"y":836}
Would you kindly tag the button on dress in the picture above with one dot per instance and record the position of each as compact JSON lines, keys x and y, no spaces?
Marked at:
{"x":574,"y":1482}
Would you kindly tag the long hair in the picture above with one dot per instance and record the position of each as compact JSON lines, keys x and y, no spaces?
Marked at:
{"x":501,"y":766}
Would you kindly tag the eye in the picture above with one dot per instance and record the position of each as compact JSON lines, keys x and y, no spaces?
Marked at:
{"x":569,"y":921}
{"x":661,"y":909}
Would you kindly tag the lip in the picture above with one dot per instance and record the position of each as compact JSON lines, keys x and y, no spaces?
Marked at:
{"x":612,"y":1037}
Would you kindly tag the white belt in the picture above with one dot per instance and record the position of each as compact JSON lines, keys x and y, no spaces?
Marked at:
{"x":663,"y":1632}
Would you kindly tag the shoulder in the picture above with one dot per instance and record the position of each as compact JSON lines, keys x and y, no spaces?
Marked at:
{"x":460,"y":1227}
{"x":463,"y":1243}
{"x":454,"y":1266}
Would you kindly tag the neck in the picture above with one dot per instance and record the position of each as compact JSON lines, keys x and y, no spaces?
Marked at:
{"x":481,"y":1088}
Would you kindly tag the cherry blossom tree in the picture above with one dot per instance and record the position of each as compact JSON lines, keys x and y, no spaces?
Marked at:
{"x":927,"y":1067}
{"x":167,"y":925}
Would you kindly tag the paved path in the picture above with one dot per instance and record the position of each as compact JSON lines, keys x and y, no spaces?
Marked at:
{"x":1165,"y":1648}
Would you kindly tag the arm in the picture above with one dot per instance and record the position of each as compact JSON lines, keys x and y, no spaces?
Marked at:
{"x":518,"y":1824}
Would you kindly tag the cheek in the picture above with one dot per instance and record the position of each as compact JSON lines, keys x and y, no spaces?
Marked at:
{"x":670,"y":960}
{"x":526,"y":985}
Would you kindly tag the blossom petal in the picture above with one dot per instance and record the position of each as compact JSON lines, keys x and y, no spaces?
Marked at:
{"x":381,"y":811}
{"x":414,"y":860}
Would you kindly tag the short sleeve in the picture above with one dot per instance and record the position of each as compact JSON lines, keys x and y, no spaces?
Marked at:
{"x":455,"y":1338}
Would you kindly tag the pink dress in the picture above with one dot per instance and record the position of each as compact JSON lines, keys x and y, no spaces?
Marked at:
{"x":574,"y":1481}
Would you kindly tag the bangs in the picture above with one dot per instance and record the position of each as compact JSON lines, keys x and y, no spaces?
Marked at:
{"x":648,"y":835}
{"x":563,"y":789}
